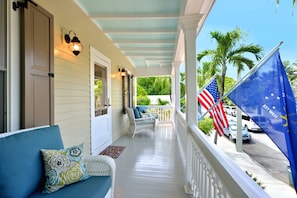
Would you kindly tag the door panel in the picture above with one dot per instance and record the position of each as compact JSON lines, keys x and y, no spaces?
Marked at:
{"x":101,"y":129}
{"x":41,"y":97}
{"x":37,"y":86}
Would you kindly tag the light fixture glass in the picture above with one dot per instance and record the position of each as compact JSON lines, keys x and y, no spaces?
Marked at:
{"x":74,"y":44}
{"x":123,"y":72}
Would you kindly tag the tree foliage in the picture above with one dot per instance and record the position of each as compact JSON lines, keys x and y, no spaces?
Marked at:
{"x":291,"y":70}
{"x":229,"y":51}
{"x":182,"y":85}
{"x":155,"y":85}
{"x":206,"y":125}
{"x":152,"y":86}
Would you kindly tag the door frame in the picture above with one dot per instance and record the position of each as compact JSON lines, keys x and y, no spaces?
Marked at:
{"x":100,"y":59}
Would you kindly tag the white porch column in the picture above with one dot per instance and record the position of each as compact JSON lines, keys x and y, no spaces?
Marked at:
{"x":176,"y":85}
{"x":189,"y":26}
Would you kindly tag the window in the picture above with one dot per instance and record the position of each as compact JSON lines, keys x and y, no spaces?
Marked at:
{"x":100,"y":90}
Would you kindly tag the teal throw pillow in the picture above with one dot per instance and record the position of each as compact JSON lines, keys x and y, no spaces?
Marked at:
{"x":136,"y":113}
{"x":63,"y":167}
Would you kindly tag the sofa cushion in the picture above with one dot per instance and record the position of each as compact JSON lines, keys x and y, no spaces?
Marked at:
{"x":94,"y":187}
{"x":142,"y":109}
{"x":63,"y":167}
{"x":23,"y":172}
{"x":136,"y":113}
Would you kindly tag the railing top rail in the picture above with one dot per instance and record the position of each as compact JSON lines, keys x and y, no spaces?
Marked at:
{"x":157,"y":106}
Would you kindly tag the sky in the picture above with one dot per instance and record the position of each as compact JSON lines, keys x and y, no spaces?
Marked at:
{"x":262,"y":22}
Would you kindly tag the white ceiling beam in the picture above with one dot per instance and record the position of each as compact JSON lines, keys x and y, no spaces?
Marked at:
{"x":118,"y":41}
{"x":148,"y":53}
{"x":145,"y":49}
{"x":133,"y":16}
{"x":150,"y":56}
{"x":159,"y":61}
{"x":139,"y":31}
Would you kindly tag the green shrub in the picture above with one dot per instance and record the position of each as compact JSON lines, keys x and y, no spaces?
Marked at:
{"x":143,"y":100}
{"x":206,"y":125}
{"x":162,"y":102}
{"x":255,"y":179}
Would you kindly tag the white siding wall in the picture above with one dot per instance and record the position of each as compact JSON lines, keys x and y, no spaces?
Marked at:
{"x":72,"y":74}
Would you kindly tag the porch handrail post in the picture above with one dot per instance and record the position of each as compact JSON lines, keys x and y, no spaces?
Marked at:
{"x":189,"y":25}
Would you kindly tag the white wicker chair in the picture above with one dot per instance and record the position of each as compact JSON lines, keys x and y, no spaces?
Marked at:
{"x":141,"y":124}
{"x":101,"y":165}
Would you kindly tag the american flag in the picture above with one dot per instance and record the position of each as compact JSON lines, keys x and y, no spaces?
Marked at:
{"x":207,"y":98}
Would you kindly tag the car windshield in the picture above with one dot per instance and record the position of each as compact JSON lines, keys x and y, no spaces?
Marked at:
{"x":234,"y":127}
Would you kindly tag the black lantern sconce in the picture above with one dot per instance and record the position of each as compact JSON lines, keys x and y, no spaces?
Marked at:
{"x":73,"y":44}
{"x":123,"y":72}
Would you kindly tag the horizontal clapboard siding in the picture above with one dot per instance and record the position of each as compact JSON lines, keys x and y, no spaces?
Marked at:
{"x":72,"y":74}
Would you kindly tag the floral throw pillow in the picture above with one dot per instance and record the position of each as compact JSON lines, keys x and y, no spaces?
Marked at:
{"x":63,"y":167}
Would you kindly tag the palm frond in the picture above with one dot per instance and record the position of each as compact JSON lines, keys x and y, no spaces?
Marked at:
{"x":204,"y":53}
{"x":241,"y":61}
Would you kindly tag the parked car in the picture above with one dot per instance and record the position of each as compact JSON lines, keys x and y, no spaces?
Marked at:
{"x":245,"y":116}
{"x":231,"y":110}
{"x":231,"y":132}
{"x":252,"y":126}
{"x":261,"y":121}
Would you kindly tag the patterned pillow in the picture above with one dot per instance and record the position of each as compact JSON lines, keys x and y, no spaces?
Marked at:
{"x":63,"y":167}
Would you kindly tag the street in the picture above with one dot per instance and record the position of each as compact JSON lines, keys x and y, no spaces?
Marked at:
{"x":265,"y":152}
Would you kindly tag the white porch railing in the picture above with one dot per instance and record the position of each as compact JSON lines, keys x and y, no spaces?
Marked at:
{"x":209,"y":172}
{"x":164,"y":113}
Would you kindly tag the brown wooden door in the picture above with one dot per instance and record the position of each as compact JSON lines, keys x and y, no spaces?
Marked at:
{"x":37,"y":69}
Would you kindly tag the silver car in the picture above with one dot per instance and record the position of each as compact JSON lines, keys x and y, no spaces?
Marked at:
{"x":231,"y":132}
{"x":252,"y":126}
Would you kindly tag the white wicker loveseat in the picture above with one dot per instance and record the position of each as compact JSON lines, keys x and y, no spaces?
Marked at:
{"x":24,"y":171}
{"x":140,"y":123}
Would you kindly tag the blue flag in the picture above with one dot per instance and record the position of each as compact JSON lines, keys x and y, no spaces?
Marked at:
{"x":267,"y":97}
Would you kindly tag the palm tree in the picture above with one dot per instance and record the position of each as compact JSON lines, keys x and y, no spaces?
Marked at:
{"x":205,"y":72}
{"x":291,"y":70}
{"x":227,"y":52}
{"x":163,"y":85}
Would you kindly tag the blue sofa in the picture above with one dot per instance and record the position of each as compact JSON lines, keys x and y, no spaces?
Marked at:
{"x":22,"y":171}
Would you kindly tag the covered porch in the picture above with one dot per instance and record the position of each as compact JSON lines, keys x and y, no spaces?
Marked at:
{"x":178,"y":161}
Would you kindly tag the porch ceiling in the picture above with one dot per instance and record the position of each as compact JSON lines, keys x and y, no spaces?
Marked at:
{"x":146,"y":31}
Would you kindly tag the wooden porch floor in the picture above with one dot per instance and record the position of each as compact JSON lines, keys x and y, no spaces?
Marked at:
{"x":150,"y":166}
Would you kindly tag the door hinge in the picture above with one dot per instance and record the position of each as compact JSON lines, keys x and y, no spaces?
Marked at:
{"x":51,"y":74}
{"x":20,"y":4}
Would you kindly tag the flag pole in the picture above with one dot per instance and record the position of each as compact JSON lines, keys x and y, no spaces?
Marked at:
{"x":260,"y":63}
{"x":254,"y":69}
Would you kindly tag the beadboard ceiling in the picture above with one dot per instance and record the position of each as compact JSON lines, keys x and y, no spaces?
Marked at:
{"x":146,"y":31}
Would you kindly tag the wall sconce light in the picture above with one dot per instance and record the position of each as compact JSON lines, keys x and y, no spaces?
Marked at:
{"x":123,"y":72}
{"x":73,"y":44}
